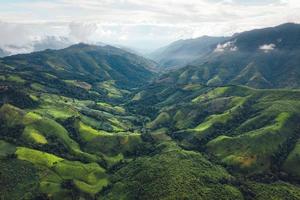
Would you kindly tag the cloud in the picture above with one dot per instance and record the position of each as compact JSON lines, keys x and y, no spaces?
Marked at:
{"x":147,"y":23}
{"x":252,"y":2}
{"x":13,"y":34}
{"x":267,"y":47}
{"x":82,"y":32}
{"x":228,"y":46}
{"x":13,"y":49}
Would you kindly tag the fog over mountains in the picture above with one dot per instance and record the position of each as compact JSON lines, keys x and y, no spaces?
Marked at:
{"x":49,"y":42}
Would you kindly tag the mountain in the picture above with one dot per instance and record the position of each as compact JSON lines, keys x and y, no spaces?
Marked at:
{"x":96,"y":67}
{"x":180,"y":53}
{"x":264,"y":58}
{"x":62,"y":121}
{"x":94,"y":122}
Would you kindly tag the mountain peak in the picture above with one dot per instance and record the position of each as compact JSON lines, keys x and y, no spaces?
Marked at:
{"x":81,"y":45}
{"x":290,"y":24}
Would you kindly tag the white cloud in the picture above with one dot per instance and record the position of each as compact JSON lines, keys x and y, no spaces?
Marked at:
{"x":12,"y":33}
{"x":267,"y":47}
{"x":82,"y":32}
{"x":228,"y":46}
{"x":146,"y":23}
{"x":12,"y":49}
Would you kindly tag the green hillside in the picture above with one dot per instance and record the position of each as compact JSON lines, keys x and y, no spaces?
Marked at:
{"x":81,"y":71}
{"x":60,"y":122}
{"x":249,"y":130}
{"x":68,"y":144}
{"x":87,"y":122}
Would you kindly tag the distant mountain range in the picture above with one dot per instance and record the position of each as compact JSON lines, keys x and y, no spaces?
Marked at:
{"x":182,"y":52}
{"x":263,"y":58}
{"x":53,"y":43}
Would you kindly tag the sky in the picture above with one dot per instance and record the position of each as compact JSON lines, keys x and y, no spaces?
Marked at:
{"x":141,"y":24}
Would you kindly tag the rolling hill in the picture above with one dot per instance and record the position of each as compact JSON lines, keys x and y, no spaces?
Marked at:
{"x":243,"y":127}
{"x":253,"y":132}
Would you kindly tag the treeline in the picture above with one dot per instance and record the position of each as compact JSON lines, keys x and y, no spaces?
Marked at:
{"x":17,"y":98}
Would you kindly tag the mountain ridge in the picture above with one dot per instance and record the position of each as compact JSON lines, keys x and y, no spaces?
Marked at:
{"x":87,"y":62}
{"x":182,"y":52}
{"x":272,"y":61}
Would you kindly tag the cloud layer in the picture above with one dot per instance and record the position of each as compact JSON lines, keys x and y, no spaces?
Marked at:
{"x":142,"y":24}
{"x":267,"y":47}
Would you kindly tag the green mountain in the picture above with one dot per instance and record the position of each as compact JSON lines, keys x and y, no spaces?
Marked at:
{"x":87,"y":63}
{"x":61,"y":128}
{"x":182,"y":52}
{"x":264,"y":58}
{"x":89,"y":122}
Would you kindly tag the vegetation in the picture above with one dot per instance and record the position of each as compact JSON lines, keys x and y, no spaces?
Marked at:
{"x":182,"y":175}
{"x":84,"y":123}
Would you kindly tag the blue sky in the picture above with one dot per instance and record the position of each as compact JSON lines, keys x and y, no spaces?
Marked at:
{"x":144,"y":24}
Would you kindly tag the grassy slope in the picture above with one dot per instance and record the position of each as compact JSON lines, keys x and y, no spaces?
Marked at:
{"x":244,"y":128}
{"x":89,"y":178}
{"x":47,"y":133}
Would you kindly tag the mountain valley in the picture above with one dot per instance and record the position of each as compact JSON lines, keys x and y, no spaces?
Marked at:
{"x":98,"y":122}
